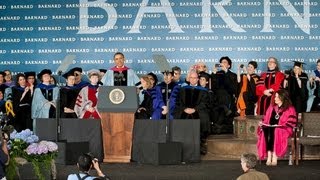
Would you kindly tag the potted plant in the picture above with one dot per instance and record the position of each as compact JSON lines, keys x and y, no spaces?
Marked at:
{"x":24,"y":148}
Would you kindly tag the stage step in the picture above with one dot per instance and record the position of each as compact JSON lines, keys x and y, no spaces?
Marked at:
{"x":228,"y":147}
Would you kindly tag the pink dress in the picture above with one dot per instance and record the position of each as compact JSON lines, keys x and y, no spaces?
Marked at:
{"x":287,"y":121}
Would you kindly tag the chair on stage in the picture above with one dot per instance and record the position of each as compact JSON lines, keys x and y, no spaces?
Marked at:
{"x":310,"y":132}
{"x":293,"y":143}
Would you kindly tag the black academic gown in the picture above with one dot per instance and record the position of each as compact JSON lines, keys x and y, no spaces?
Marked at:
{"x":194,"y":97}
{"x":21,"y":108}
{"x":68,"y":97}
{"x":298,"y":96}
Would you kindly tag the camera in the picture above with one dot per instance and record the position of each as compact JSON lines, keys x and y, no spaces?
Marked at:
{"x":217,"y":65}
{"x":92,"y":157}
{"x":241,"y":65}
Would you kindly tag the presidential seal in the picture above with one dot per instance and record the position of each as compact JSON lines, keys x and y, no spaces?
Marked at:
{"x":116,"y":96}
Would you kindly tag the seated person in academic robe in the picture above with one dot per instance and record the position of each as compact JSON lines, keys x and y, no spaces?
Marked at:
{"x":79,"y":83}
{"x":120,"y":75}
{"x":275,"y":128}
{"x":296,"y":84}
{"x":224,"y":86}
{"x":193,"y":104}
{"x":87,"y":100}
{"x":68,"y":96}
{"x":269,"y":82}
{"x":21,"y":97}
{"x":152,"y":106}
{"x":172,"y":93}
{"x":44,"y":97}
{"x":247,"y":89}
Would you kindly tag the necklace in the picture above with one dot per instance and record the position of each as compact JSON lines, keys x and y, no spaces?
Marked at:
{"x":277,"y":116}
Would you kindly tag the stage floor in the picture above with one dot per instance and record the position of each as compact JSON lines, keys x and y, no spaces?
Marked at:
{"x":218,"y":169}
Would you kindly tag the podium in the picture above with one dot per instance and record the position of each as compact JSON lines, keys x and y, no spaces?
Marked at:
{"x":117,"y":105}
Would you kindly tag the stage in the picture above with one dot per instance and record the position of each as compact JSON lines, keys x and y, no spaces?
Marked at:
{"x":215,"y":169}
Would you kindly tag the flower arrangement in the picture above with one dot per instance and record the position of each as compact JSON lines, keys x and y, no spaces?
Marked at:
{"x":24,"y":145}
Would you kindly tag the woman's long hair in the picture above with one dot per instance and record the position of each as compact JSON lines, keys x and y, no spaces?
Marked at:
{"x":285,"y":98}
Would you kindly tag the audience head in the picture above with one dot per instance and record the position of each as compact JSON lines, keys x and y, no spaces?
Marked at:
{"x":8,"y":75}
{"x":193,"y":78}
{"x":252,"y":66}
{"x":84,"y":162}
{"x":53,"y":80}
{"x":31,"y":77}
{"x":318,"y":65}
{"x":167,"y":76}
{"x":119,"y":59}
{"x":176,"y":73}
{"x":153,"y":78}
{"x":77,"y":71}
{"x":70,"y":78}
{"x":204,"y":79}
{"x":201,"y":67}
{"x":297,"y":67}
{"x":45,"y":76}
{"x":20,"y":80}
{"x":248,"y":161}
{"x":146,"y":82}
{"x":2,"y":75}
{"x":273,"y":64}
{"x":225,"y":62}
{"x":282,"y":99}
{"x":94,"y":76}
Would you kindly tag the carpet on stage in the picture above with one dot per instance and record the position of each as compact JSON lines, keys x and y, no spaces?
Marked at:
{"x":217,"y":169}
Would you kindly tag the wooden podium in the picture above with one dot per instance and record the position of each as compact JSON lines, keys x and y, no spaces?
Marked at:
{"x":117,"y":105}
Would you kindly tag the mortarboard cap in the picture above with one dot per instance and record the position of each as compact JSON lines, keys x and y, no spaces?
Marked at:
{"x":93,"y":72}
{"x":67,"y":74}
{"x":103,"y":70}
{"x":31,"y":73}
{"x":298,"y":63}
{"x":44,"y":71}
{"x":79,"y":69}
{"x":166,"y":72}
{"x":205,"y":75}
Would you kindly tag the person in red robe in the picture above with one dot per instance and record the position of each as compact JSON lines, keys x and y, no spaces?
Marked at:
{"x":87,"y":100}
{"x":269,"y":82}
{"x":276,"y":127}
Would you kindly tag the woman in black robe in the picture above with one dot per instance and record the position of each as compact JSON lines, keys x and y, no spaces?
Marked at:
{"x":297,"y":87}
{"x":21,"y":101}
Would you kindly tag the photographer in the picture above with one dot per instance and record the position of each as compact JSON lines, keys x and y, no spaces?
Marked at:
{"x":4,"y":155}
{"x":296,"y":84}
{"x":85,"y":163}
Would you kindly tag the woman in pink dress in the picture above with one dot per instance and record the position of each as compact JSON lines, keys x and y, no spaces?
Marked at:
{"x":275,"y":128}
